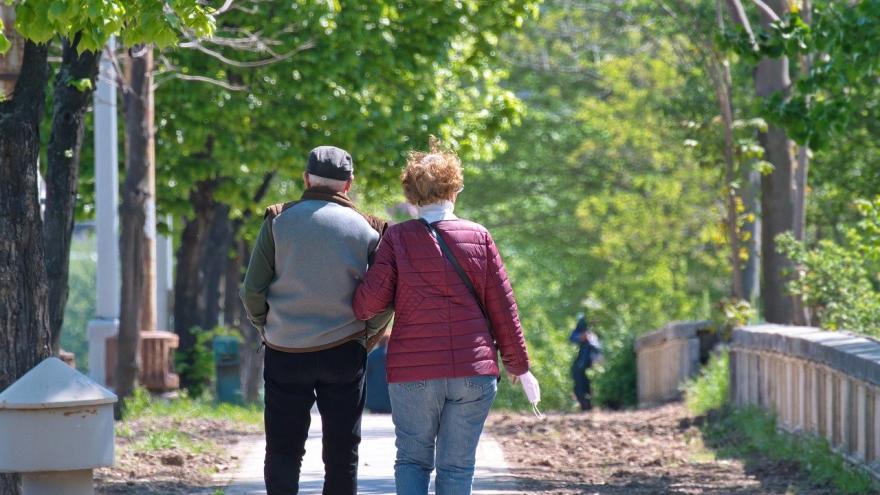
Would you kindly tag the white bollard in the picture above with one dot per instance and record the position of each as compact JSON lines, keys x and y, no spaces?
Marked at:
{"x":57,"y":426}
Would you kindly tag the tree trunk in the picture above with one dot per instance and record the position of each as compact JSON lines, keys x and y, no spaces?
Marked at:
{"x":802,"y":314}
{"x":62,"y":172}
{"x":778,"y":189}
{"x":777,"y":200}
{"x":232,"y":310}
{"x":214,"y":263}
{"x":722,"y":82}
{"x":751,"y":198}
{"x":24,"y":316}
{"x":136,"y":195}
{"x":251,"y":358}
{"x":189,"y":283}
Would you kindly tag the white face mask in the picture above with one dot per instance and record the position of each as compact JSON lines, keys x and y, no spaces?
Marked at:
{"x":532,"y":390}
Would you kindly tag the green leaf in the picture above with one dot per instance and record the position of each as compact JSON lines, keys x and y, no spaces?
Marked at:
{"x":4,"y":43}
{"x":83,"y":85}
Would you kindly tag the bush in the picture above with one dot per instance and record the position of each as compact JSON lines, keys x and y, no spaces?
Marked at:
{"x":710,"y":390}
{"x":196,"y":367}
{"x":614,"y":380}
{"x":838,"y":281}
{"x":749,"y":433}
{"x":551,"y":355}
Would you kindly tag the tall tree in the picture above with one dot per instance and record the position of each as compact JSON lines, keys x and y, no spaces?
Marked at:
{"x":135,"y":242}
{"x":24,"y":310}
{"x":72,"y":97}
{"x":24,"y":317}
{"x":781,"y":209}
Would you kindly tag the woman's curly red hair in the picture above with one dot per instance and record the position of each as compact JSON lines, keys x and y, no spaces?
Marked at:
{"x":431,"y":176}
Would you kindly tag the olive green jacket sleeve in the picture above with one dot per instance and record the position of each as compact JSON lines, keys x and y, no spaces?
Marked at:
{"x":260,"y":273}
{"x":377,"y":324}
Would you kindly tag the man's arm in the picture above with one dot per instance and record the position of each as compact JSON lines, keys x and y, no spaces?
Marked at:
{"x":377,"y":324}
{"x":260,"y":273}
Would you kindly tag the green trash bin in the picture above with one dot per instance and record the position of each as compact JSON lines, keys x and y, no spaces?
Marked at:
{"x":227,"y":363}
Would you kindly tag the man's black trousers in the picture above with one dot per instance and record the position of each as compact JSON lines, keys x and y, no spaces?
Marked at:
{"x":294,"y":382}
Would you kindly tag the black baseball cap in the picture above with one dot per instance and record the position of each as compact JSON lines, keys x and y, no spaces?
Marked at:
{"x":330,"y":162}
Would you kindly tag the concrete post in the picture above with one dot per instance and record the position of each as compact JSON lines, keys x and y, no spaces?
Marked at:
{"x":801,"y":423}
{"x":875,"y":423}
{"x":56,"y":426}
{"x":164,"y":279}
{"x":843,"y":414}
{"x":814,"y":399}
{"x":754,"y":379}
{"x":830,"y":396}
{"x":106,"y":321}
{"x":861,"y":422}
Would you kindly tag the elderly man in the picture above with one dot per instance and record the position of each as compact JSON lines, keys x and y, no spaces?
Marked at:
{"x":307,"y":262}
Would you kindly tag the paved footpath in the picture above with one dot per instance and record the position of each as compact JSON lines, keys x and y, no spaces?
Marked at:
{"x":376,"y":470}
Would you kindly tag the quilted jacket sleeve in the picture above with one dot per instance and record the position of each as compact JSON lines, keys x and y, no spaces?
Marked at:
{"x":376,"y":292}
{"x":501,"y":307}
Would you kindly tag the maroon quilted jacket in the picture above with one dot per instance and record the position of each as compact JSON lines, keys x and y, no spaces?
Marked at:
{"x":439,"y":331}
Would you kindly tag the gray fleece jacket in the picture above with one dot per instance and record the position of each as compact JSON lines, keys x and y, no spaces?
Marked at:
{"x":306,"y":264}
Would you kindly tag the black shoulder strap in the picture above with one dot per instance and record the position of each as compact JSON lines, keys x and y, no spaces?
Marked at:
{"x":464,"y":278}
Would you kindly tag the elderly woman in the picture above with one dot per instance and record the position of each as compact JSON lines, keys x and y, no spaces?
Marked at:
{"x":450,"y":324}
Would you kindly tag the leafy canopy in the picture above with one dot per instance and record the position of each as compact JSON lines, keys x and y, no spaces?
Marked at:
{"x":373,"y":77}
{"x":839,"y":93}
{"x":95,"y":21}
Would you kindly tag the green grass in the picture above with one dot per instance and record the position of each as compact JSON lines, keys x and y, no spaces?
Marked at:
{"x":751,"y":434}
{"x":142,"y":405}
{"x":709,"y":391}
{"x":170,"y":439}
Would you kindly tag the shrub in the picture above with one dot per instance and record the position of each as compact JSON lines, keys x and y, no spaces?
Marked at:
{"x":196,"y":367}
{"x":838,"y":281}
{"x":551,"y":355}
{"x":709,"y":391}
{"x":749,"y":433}
{"x":614,"y":380}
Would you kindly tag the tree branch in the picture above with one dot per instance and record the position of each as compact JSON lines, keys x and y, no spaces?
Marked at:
{"x":249,"y":65}
{"x":766,"y":10}
{"x":204,"y":79}
{"x":739,"y":17}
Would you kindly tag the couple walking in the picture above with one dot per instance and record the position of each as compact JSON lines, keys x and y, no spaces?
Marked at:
{"x":323,"y":283}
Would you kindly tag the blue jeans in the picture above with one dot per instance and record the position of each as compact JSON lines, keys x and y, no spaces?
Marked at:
{"x":447,"y":413}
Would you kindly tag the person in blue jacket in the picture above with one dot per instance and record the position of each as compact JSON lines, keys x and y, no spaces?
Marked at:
{"x":589,"y":351}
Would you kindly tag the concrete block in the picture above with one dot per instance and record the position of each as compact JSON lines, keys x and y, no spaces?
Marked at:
{"x":677,"y":330}
{"x":845,"y":352}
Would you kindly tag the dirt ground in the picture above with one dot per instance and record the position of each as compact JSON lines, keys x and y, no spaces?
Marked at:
{"x":650,"y":451}
{"x":192,"y":460}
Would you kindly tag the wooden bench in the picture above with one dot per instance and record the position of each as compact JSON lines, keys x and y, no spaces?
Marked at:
{"x":157,"y":361}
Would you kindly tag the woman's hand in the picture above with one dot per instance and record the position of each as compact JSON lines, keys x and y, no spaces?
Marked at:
{"x":530,"y":386}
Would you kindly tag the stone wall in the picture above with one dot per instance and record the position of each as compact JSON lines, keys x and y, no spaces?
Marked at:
{"x":667,"y":357}
{"x":817,"y":382}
